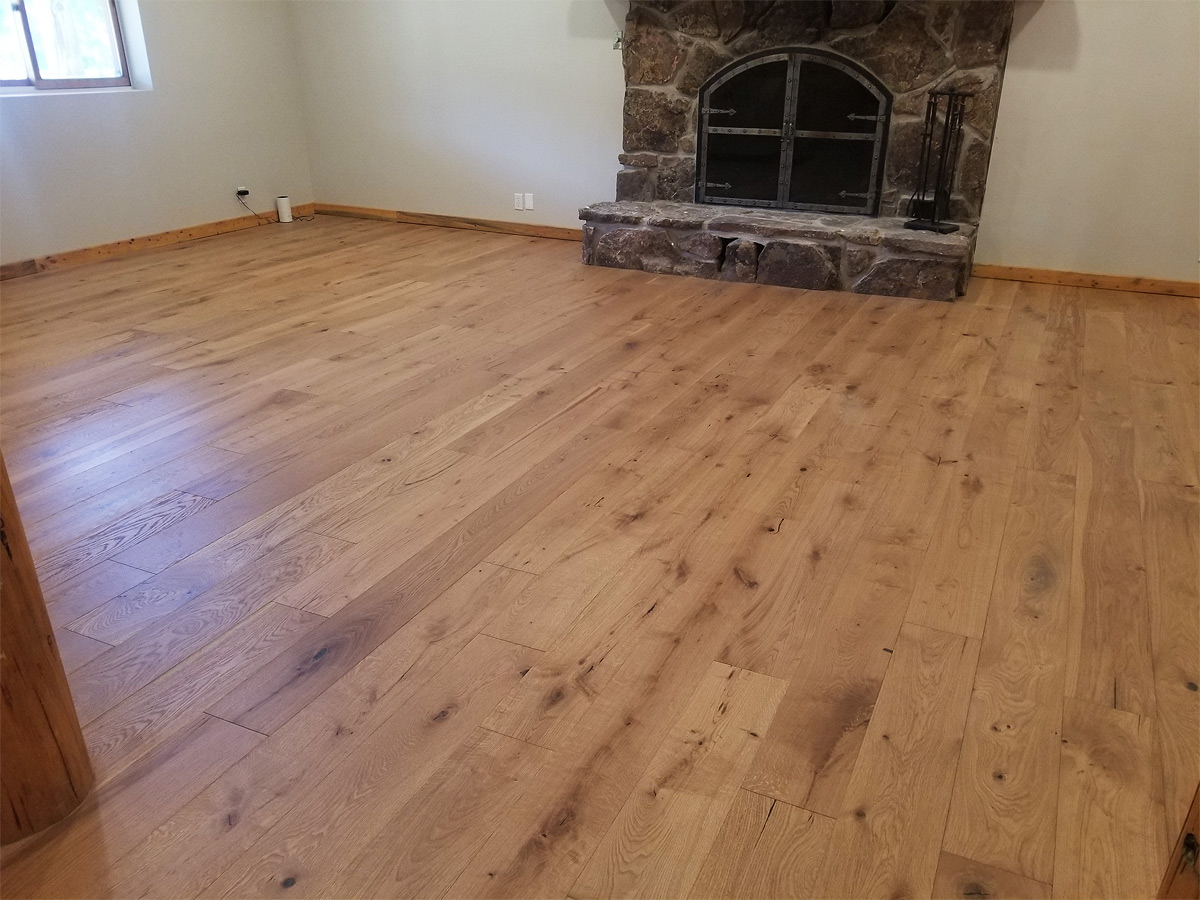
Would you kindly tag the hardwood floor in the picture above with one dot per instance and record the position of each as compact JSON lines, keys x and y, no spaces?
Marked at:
{"x":397,"y":561}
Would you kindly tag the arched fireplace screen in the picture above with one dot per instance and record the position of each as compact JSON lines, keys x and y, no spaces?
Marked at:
{"x":796,"y":129}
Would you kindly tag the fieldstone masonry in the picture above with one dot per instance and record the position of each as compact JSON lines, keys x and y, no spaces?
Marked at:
{"x":673,"y":46}
{"x":816,"y":251}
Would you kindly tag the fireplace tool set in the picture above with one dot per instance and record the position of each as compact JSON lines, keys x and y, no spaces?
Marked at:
{"x":941,"y":142}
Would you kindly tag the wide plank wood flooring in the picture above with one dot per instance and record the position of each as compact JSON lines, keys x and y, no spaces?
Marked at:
{"x":397,"y":561}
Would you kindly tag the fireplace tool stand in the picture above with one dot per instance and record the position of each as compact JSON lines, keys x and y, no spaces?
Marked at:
{"x":929,"y":204}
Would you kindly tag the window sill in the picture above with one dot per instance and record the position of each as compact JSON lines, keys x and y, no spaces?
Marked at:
{"x":25,"y":91}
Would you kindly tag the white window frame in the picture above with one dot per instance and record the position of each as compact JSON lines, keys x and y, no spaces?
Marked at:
{"x":37,"y":82}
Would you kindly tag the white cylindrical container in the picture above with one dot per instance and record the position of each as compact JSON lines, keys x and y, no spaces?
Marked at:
{"x":283,"y":205}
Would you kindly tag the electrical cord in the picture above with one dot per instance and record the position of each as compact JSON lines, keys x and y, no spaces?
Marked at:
{"x":268,"y":221}
{"x":256,"y":215}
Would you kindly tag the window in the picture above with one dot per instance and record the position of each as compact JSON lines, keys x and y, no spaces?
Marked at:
{"x":59,"y":44}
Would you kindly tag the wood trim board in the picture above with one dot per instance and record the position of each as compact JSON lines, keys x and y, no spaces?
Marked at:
{"x":413,"y":218}
{"x":134,"y":245}
{"x":1082,"y":279}
{"x":145,"y":242}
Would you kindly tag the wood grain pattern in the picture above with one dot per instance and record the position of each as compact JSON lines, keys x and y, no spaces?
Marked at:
{"x":77,"y":857}
{"x":1017,"y":350}
{"x":257,"y":793}
{"x":92,"y":513}
{"x":432,"y":838}
{"x":123,"y":532}
{"x":655,"y":846}
{"x":786,"y":580}
{"x":810,"y":751}
{"x":277,"y":692}
{"x":77,"y":650}
{"x":908,"y":512}
{"x":175,"y":698}
{"x":1109,"y":656}
{"x":75,"y":598}
{"x":963,"y":879}
{"x":956,"y":579}
{"x":1110,"y":840}
{"x":483,"y":528}
{"x":552,"y":700}
{"x":1052,"y":435}
{"x":556,"y":828}
{"x":1004,"y":807}
{"x":766,"y":848}
{"x":1170,"y":526}
{"x":309,"y":846}
{"x":1164,"y":419}
{"x":886,"y":840}
{"x":1182,"y":878}
{"x":158,"y":647}
{"x":46,"y":771}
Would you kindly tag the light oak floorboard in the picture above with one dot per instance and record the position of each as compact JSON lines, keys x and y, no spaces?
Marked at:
{"x":1003,"y":811}
{"x":887,"y":838}
{"x":766,"y":848}
{"x":392,"y":560}
{"x":1110,"y":840}
{"x":964,"y":879}
{"x":655,"y":846}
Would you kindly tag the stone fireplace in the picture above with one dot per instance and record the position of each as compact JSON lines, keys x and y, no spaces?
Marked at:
{"x":779,"y":140}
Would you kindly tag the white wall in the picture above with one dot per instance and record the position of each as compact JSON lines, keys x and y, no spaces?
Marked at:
{"x":451,"y":107}
{"x":1096,"y":163}
{"x":79,"y":169}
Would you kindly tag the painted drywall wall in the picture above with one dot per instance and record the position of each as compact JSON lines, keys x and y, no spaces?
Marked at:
{"x":1096,"y":163}
{"x":451,"y":107}
{"x":84,"y":168}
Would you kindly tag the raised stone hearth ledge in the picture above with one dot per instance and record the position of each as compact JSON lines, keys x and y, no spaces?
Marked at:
{"x":814,"y":251}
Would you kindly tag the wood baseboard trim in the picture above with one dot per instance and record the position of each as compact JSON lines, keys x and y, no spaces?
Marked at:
{"x":1082,"y":279}
{"x":410,"y":218}
{"x":139,"y":244}
{"x":180,"y":235}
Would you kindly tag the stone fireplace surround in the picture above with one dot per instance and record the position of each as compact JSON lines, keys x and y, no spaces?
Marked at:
{"x":673,"y":46}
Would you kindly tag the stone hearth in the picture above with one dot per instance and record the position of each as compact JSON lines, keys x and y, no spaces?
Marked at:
{"x":815,"y":251}
{"x":672,"y":47}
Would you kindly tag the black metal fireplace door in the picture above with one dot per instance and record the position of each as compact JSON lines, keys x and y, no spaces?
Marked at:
{"x":794,"y":129}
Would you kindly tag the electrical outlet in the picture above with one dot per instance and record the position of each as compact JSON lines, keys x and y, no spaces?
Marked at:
{"x":518,"y":201}
{"x":529,"y":201}
{"x":243,"y":191}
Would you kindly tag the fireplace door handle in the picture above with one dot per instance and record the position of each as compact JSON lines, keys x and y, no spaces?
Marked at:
{"x":713,"y":184}
{"x":709,"y":111}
